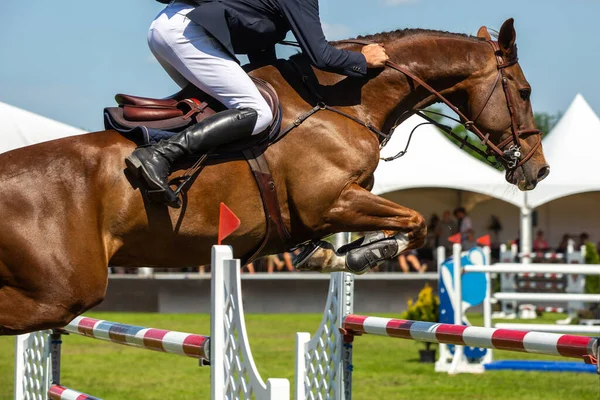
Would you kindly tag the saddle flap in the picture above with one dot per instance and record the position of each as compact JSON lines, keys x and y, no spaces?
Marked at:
{"x":114,"y":119}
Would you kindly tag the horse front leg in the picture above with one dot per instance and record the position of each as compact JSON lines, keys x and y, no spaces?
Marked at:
{"x":392,"y":229}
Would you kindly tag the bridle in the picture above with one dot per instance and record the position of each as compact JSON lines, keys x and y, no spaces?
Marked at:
{"x":509,"y":150}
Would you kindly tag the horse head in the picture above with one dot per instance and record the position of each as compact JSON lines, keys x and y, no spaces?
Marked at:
{"x":499,"y":108}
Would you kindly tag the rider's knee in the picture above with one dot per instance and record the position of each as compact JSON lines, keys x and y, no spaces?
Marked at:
{"x":265,"y":117}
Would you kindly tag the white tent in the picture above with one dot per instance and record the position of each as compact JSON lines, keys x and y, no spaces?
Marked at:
{"x":432,"y":161}
{"x":566,"y":201}
{"x":572,"y":153}
{"x":19,"y":128}
{"x":436,"y":175}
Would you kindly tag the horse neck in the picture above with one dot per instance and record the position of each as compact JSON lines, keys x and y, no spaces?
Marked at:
{"x":448,"y":63}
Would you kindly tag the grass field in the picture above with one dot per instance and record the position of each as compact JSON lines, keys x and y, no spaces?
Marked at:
{"x":384,"y":368}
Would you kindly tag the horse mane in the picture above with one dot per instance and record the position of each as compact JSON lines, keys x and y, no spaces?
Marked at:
{"x":404,"y":33}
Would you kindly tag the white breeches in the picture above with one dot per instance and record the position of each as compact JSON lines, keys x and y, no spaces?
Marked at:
{"x":189,"y":54}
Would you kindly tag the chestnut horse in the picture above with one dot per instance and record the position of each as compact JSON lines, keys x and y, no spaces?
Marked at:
{"x":68,"y":210}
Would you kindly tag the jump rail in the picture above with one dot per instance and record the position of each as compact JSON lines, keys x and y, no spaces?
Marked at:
{"x":57,"y":392}
{"x":184,"y":344}
{"x":548,"y":297}
{"x":573,"y":269}
{"x":554,"y":328}
{"x":500,"y":339}
{"x":233,"y":372}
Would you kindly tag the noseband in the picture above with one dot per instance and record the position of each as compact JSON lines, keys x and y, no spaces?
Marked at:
{"x":508,"y":150}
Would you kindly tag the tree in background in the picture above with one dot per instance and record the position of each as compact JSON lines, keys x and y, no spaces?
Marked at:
{"x":545,"y":122}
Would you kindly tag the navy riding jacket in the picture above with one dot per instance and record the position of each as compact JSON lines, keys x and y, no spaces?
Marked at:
{"x":255,"y":26}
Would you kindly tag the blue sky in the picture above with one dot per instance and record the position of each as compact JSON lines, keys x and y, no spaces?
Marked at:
{"x":65,"y":59}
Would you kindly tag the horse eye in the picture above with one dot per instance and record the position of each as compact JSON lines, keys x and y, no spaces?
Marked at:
{"x":525,"y":94}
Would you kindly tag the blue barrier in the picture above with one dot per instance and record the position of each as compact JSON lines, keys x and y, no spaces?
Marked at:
{"x":545,"y":366}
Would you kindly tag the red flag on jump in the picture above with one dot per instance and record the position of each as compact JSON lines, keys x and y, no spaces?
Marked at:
{"x":455,"y":238}
{"x":228,"y":222}
{"x":484,"y":241}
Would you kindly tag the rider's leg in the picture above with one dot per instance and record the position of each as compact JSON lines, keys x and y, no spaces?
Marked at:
{"x":188,"y":52}
{"x":153,"y":163}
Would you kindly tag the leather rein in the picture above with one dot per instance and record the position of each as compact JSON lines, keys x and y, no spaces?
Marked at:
{"x":508,"y":150}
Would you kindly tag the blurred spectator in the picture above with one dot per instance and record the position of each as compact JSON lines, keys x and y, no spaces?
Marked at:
{"x":469,"y":242}
{"x":433,"y":232}
{"x":248,"y":267}
{"x":495,"y":228}
{"x":463,"y":221}
{"x":584,"y":237}
{"x":517,"y":240}
{"x":540,"y":244}
{"x":275,"y":261}
{"x":564,"y":243}
{"x":447,"y":228}
{"x":411,"y":257}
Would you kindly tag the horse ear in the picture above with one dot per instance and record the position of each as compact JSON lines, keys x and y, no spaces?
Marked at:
{"x":483,"y":33}
{"x":507,"y":36}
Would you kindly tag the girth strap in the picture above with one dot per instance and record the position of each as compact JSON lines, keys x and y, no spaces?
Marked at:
{"x":276,"y":229}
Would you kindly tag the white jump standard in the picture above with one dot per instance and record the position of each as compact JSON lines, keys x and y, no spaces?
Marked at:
{"x":233,"y":372}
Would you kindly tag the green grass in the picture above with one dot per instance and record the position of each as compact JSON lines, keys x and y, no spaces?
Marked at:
{"x":384,"y":368}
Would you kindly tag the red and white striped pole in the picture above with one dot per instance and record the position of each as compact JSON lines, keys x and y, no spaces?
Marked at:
{"x":501,"y":339}
{"x":58,"y":392}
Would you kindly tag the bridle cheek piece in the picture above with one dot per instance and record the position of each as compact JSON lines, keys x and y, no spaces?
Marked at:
{"x":512,"y":156}
{"x":509,"y":150}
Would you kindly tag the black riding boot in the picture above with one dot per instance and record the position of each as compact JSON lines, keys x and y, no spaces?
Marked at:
{"x":153,"y":163}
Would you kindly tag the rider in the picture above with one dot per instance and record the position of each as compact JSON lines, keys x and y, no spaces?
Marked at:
{"x":196,"y":41}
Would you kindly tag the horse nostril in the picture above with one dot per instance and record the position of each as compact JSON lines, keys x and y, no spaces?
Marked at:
{"x":543,"y":173}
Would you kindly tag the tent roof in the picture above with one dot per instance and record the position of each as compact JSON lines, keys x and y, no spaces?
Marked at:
{"x":433,"y":161}
{"x":571,"y":149}
{"x":21,"y":128}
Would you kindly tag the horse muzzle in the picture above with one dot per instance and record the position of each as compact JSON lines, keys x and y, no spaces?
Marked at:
{"x":527,"y":177}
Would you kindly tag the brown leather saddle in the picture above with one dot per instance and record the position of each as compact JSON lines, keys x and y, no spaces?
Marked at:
{"x":179,"y":111}
{"x":190,"y":106}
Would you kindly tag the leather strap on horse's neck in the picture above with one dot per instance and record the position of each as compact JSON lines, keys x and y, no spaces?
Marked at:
{"x":496,"y":150}
{"x":322,"y":106}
